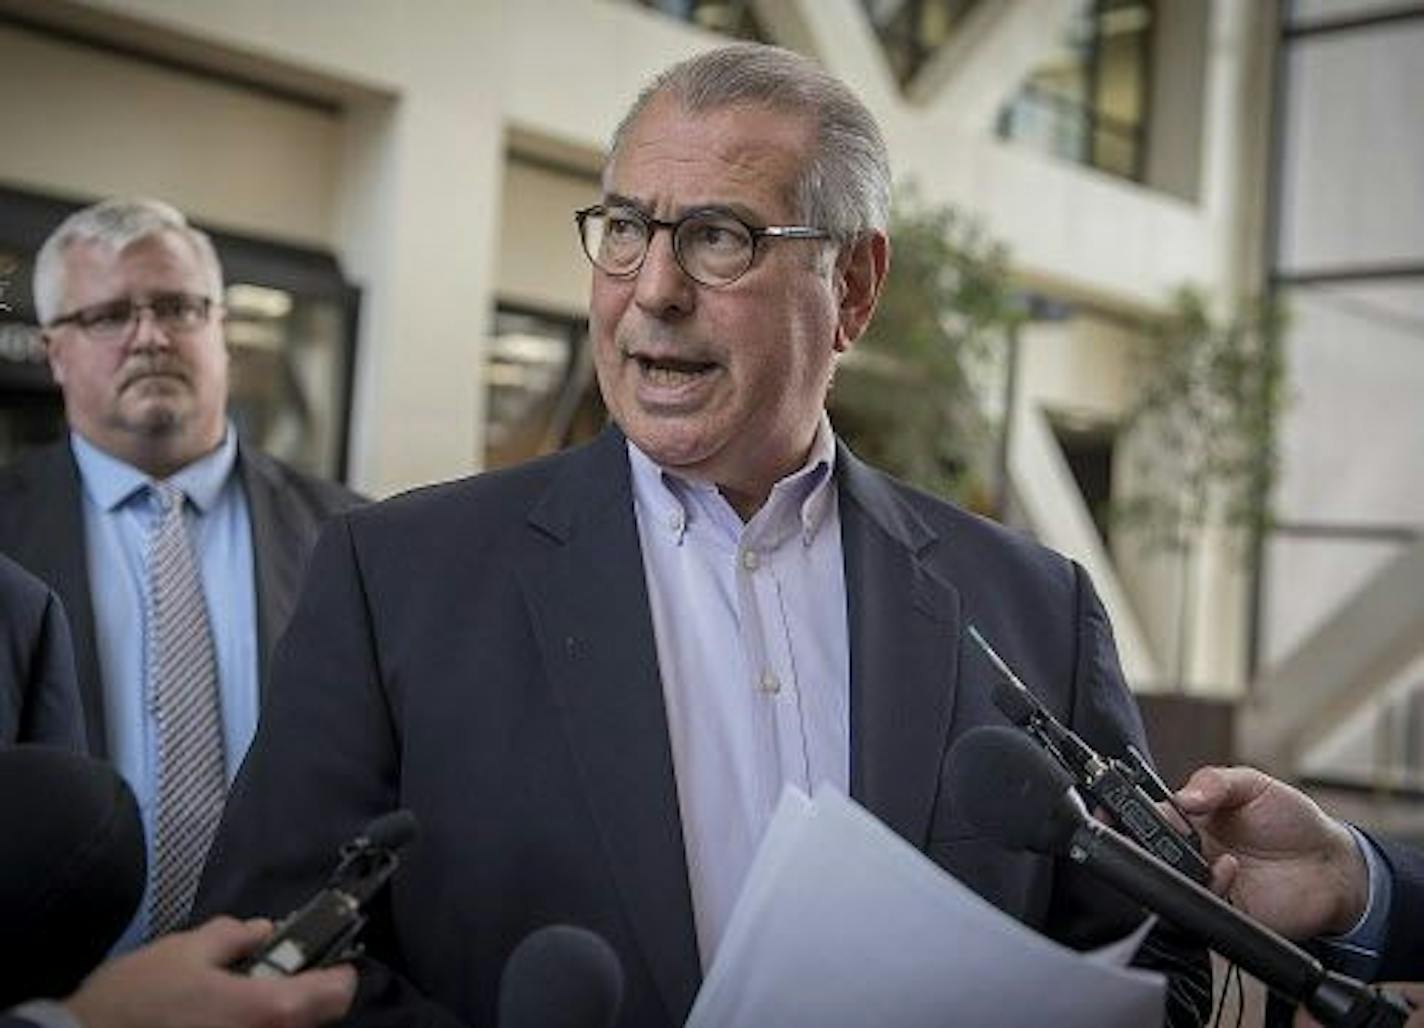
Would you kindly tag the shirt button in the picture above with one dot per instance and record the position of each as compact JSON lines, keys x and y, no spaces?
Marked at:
{"x":769,"y":684}
{"x":750,"y":560}
{"x":675,"y":521}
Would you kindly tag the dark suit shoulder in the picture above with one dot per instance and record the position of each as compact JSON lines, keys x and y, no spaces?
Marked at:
{"x":37,"y":470}
{"x":39,"y":698}
{"x":320,"y":496}
{"x":958,"y":539}
{"x":25,"y":597}
{"x":474,"y":505}
{"x":34,"y":462}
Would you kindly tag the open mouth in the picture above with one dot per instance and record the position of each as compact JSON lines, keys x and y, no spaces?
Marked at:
{"x":670,"y":371}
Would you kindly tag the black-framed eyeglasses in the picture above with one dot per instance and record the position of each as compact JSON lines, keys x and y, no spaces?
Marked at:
{"x":109,"y":322}
{"x":713,"y":246}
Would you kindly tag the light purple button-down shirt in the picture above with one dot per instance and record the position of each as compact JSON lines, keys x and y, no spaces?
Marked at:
{"x":750,"y":623}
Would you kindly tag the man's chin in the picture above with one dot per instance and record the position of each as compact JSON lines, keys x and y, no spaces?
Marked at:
{"x":668,"y":447}
{"x":155,"y":418}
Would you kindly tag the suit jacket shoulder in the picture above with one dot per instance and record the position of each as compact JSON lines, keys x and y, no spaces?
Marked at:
{"x":39,"y":698}
{"x":287,"y":509}
{"x":42,"y":529}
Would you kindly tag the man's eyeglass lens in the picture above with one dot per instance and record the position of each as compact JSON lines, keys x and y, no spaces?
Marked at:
{"x":712,"y":247}
{"x":174,"y":312}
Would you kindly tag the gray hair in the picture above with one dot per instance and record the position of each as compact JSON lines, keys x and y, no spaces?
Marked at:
{"x":845,"y":186}
{"x":116,"y":223}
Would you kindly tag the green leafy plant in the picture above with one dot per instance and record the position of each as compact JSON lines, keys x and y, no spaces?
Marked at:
{"x":1212,"y":390}
{"x":904,"y":398}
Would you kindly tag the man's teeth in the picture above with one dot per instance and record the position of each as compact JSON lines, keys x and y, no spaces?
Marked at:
{"x":671,"y":372}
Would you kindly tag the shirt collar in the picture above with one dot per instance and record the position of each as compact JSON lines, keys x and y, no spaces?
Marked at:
{"x":111,"y":482}
{"x":798,"y":501}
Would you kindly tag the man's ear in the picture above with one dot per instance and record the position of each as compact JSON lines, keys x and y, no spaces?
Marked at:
{"x":53,"y":353}
{"x":859,"y":276}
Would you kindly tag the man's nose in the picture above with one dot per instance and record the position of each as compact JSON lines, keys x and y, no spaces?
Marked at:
{"x":662,"y":288}
{"x":147,"y":332}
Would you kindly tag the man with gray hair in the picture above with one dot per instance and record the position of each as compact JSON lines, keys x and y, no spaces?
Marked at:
{"x":591,"y":677}
{"x":176,"y":550}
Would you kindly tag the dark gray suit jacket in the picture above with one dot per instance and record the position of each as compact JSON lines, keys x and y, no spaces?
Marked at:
{"x":1402,"y":958}
{"x":39,"y":698}
{"x":482,"y":652}
{"x":42,"y":527}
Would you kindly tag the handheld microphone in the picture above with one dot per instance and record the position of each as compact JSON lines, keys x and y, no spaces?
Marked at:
{"x":1046,"y":815}
{"x":1111,"y":784}
{"x":324,"y":930}
{"x":561,"y":976}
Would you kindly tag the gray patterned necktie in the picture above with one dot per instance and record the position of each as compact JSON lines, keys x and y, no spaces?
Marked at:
{"x":183,"y":699}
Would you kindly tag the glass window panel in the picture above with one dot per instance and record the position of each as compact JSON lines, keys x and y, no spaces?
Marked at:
{"x":1121,"y":77}
{"x":1115,"y":153}
{"x":1307,"y":579}
{"x":290,"y":364}
{"x":1046,"y":124}
{"x":1352,"y":433}
{"x":1348,"y":96}
{"x":1382,"y":745}
{"x":910,"y":31}
{"x":541,"y":389}
{"x":1086,"y":103}
{"x":1313,"y":12}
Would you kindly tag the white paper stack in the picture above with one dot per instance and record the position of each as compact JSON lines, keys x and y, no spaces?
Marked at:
{"x":842,"y":924}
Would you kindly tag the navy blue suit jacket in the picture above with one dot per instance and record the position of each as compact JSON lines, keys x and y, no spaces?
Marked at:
{"x":482,"y":652}
{"x":1402,"y":958}
{"x":39,"y":699}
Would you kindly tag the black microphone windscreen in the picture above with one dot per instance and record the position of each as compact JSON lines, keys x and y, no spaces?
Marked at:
{"x":561,"y":977}
{"x":1011,"y":790}
{"x":392,"y":831}
{"x":72,"y":868}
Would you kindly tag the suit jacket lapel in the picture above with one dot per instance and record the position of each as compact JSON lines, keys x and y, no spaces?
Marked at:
{"x":277,"y":554}
{"x":54,"y":548}
{"x":904,"y":632}
{"x":583,"y":579}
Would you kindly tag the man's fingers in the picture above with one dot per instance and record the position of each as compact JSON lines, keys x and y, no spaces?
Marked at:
{"x":1411,"y":991}
{"x":1223,"y":874}
{"x":224,"y":939}
{"x":317,"y":997}
{"x":1213,"y":789}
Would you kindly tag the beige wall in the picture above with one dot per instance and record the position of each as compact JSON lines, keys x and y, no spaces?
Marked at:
{"x":83,"y":123}
{"x":541,"y":264}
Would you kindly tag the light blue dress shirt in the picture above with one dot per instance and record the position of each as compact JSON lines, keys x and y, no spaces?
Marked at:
{"x":119,"y":511}
{"x":1356,"y":953}
{"x":750,"y":626}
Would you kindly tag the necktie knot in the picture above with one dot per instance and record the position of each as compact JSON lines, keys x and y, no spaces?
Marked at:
{"x":167,"y":496}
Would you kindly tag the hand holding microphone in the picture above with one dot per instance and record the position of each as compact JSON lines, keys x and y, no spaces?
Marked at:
{"x":1036,"y":807}
{"x":182,"y":981}
{"x":1276,"y":855}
